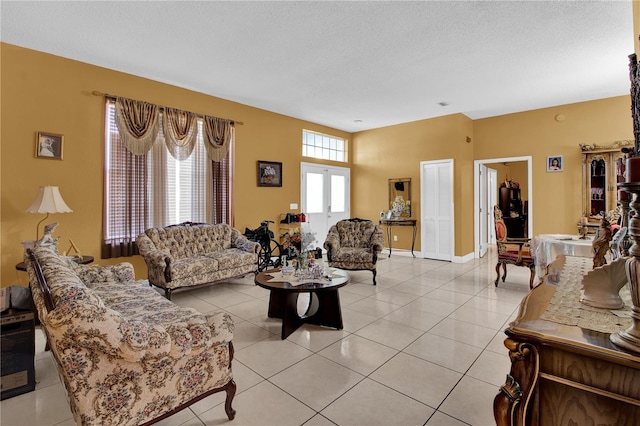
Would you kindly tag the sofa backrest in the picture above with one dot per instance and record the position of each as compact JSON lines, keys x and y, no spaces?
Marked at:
{"x":55,"y":286}
{"x":188,"y":240}
{"x":356,"y":233}
{"x":80,"y":317}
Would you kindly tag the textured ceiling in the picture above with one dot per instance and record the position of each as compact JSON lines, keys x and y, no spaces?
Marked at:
{"x":336,"y":63}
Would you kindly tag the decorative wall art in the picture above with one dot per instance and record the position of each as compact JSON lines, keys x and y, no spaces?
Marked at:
{"x":555,"y":163}
{"x":269,"y":173}
{"x":49,"y":145}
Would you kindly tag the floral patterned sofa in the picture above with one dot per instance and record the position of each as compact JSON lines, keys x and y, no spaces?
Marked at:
{"x":126,"y":354}
{"x":191,"y":254}
{"x":354,"y":244}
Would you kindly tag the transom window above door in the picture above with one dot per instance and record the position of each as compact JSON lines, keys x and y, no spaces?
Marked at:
{"x":324,"y":147}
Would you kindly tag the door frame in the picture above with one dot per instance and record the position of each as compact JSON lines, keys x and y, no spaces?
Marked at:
{"x":492,"y":176}
{"x":346,"y":171}
{"x":476,"y":196}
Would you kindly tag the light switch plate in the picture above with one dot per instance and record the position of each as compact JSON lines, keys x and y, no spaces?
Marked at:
{"x":293,"y":206}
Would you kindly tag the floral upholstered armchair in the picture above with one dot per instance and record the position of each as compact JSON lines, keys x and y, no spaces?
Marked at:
{"x":354,"y":244}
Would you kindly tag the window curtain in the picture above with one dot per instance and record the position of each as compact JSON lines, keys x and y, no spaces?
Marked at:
{"x":217,"y":137}
{"x":222,"y":189}
{"x":137,"y":123}
{"x":180,"y":131}
{"x":159,"y":172}
{"x":126,"y":197}
{"x":155,"y":190}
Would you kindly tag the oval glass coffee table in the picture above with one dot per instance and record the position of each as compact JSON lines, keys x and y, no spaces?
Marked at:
{"x":324,"y":301}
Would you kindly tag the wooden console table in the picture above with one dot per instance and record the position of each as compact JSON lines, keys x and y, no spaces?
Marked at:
{"x":400,"y":222}
{"x":563,"y":374}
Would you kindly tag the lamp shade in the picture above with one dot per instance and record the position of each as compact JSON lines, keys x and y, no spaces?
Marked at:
{"x":49,"y":200}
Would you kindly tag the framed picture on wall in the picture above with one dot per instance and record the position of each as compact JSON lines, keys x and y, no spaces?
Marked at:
{"x":269,"y":173}
{"x":49,"y":145}
{"x":555,"y":163}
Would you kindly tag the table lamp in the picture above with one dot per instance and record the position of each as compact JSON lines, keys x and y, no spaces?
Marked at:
{"x":48,"y":201}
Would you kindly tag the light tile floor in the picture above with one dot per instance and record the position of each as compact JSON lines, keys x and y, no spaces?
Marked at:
{"x":423,"y":347}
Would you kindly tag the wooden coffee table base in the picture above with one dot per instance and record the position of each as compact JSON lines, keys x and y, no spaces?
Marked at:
{"x":323,"y":309}
{"x":324,"y":301}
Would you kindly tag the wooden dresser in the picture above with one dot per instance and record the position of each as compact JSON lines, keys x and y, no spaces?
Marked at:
{"x":563,"y":374}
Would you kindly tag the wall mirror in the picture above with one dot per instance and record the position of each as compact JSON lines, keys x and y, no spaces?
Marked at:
{"x":400,"y":197}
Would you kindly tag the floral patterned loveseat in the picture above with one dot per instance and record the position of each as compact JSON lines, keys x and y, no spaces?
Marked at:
{"x":126,"y":354}
{"x":354,"y":244}
{"x":191,"y":254}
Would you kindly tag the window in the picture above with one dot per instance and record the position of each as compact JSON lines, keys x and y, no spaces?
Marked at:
{"x":156,"y":190}
{"x":324,"y":147}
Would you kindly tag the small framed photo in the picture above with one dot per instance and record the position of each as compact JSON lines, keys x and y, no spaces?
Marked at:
{"x":555,"y":163}
{"x":49,"y":145}
{"x":269,"y":173}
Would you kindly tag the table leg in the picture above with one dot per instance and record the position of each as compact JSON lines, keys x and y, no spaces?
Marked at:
{"x":324,"y":309}
{"x":413,"y":239}
{"x":290,"y":318}
{"x":389,"y":238}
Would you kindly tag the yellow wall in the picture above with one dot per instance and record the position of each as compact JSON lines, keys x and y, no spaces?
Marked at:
{"x":396,"y":152}
{"x":42,"y":92}
{"x":557,"y":202}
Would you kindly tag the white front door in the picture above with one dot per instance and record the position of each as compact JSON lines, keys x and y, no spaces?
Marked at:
{"x":437,"y":219}
{"x":325,"y":197}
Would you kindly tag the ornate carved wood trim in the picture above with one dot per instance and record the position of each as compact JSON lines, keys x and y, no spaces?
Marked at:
{"x":614,"y":146}
{"x":511,"y":406}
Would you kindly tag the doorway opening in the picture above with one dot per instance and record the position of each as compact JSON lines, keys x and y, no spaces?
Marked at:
{"x":482,"y":199}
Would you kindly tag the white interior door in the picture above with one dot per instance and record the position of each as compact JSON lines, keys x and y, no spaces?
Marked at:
{"x":437,"y":219}
{"x":325,"y":197}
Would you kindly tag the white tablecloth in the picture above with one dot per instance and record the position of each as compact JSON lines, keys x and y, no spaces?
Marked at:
{"x":546,"y":247}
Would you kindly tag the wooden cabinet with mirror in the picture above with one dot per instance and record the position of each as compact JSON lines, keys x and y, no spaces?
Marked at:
{"x":602,"y":169}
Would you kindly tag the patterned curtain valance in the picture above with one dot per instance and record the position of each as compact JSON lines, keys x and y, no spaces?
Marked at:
{"x":218,"y":133}
{"x":180,"y":131}
{"x":137,"y":123}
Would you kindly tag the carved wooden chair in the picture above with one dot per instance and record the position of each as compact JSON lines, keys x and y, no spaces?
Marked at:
{"x":511,"y":251}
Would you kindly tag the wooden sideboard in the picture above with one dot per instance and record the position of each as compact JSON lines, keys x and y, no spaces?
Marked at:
{"x":565,"y":375}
